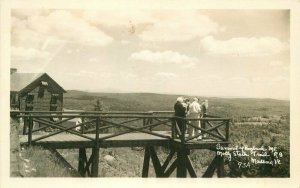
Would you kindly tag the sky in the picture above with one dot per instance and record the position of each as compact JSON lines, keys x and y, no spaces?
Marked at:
{"x":225,"y":53}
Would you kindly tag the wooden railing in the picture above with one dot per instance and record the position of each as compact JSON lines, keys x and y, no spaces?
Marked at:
{"x":120,"y":123}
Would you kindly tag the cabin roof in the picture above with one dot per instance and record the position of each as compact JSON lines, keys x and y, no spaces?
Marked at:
{"x":20,"y":81}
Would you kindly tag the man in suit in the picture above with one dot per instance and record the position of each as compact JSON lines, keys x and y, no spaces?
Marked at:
{"x":180,"y":111}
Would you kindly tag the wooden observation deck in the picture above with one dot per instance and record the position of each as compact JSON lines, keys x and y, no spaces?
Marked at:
{"x":126,"y":129}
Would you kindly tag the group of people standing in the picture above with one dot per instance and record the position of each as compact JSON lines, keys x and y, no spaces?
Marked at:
{"x":184,"y":108}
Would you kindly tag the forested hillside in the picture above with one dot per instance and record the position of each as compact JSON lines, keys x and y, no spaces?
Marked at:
{"x":226,"y":107}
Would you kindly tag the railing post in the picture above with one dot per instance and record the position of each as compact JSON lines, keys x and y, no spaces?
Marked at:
{"x":81,"y":161}
{"x":151,"y":121}
{"x":97,"y":132}
{"x":173,"y":128}
{"x":95,"y":151}
{"x":183,"y":131}
{"x":181,"y":163}
{"x":103,"y":124}
{"x":81,"y":127}
{"x":146,"y":162}
{"x":30,"y":125}
{"x":25,"y":125}
{"x":203,"y":125}
{"x":227,"y":130}
{"x":144,"y":121}
{"x":220,"y":167}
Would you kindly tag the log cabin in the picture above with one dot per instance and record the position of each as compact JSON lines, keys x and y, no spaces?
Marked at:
{"x":35,"y":92}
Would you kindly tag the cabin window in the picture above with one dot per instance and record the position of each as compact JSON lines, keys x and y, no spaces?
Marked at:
{"x":29,"y":101}
{"x":53,"y":102}
{"x":42,"y":88}
{"x":14,"y":100}
{"x":43,"y":83}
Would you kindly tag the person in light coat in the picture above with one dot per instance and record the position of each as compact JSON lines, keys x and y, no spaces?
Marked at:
{"x":194,"y":112}
{"x":79,"y":121}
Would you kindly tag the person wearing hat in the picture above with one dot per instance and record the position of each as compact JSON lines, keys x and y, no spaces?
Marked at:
{"x":194,"y":112}
{"x":204,"y":106}
{"x":180,"y":111}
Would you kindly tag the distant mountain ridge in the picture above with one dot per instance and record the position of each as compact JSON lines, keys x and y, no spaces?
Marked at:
{"x":225,"y":107}
{"x":100,"y":93}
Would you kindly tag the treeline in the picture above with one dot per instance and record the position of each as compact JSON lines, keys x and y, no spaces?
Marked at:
{"x":236,"y":108}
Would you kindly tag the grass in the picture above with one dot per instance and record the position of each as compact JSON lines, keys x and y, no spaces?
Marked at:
{"x":39,"y":162}
{"x":126,"y":162}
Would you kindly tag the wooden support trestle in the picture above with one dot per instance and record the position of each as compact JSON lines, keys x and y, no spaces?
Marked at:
{"x":146,"y":163}
{"x":88,"y":167}
{"x":64,"y":162}
{"x":182,"y":163}
{"x":82,"y":161}
{"x":217,"y":163}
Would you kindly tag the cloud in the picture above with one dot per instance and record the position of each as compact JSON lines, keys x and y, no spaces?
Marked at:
{"x":93,"y":59}
{"x":243,"y":46}
{"x":81,"y":73}
{"x":127,"y":75}
{"x":59,"y":24}
{"x":87,"y":73}
{"x":280,"y":66}
{"x":66,"y":26}
{"x":205,"y":77}
{"x":276,"y":63}
{"x":25,"y":13}
{"x":286,"y":68}
{"x":170,"y":57}
{"x":119,"y":18}
{"x":69,"y":51}
{"x":124,"y":42}
{"x":238,"y":79}
{"x":28,"y":38}
{"x":158,"y":26}
{"x":281,"y":79}
{"x":179,"y":26}
{"x":25,"y":54}
{"x":168,"y":75}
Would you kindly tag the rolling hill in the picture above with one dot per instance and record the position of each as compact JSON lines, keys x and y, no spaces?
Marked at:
{"x":226,"y":107}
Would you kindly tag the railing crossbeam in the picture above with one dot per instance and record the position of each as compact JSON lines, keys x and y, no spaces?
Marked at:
{"x":134,"y":129}
{"x":205,"y":131}
{"x":62,"y":129}
{"x":160,"y":117}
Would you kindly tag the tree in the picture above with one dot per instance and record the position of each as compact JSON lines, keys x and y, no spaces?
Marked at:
{"x":98,"y":106}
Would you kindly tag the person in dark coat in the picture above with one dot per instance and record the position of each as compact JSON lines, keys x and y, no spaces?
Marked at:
{"x":180,"y":111}
{"x":204,"y":106}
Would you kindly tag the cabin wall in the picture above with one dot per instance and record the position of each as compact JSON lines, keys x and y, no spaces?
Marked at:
{"x":41,"y":102}
{"x":14,"y":101}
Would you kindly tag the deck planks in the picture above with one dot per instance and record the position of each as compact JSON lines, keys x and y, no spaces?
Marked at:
{"x":63,"y":141}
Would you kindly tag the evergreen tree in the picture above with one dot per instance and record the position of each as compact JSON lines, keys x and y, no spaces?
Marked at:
{"x":98,"y":106}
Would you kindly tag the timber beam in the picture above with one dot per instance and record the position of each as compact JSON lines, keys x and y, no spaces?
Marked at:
{"x":182,"y":163}
{"x":88,"y":167}
{"x":217,"y":163}
{"x":64,"y":162}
